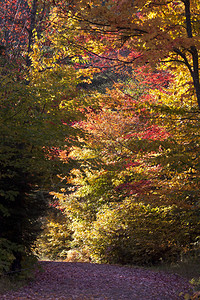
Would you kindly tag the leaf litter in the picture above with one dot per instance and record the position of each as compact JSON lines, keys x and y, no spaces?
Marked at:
{"x":87,"y":281}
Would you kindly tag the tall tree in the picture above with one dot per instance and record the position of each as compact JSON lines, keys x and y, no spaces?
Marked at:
{"x":36,"y":110}
{"x":165,"y":33}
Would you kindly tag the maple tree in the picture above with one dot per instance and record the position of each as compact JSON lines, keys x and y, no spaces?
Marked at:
{"x":164,"y":33}
{"x":146,"y":186}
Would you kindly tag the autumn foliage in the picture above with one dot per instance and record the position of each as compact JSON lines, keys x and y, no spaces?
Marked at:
{"x":141,"y":206}
{"x":99,"y":116}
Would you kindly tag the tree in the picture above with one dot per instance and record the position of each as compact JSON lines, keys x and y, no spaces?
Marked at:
{"x":140,"y":204}
{"x":165,"y":33}
{"x":39,"y":101}
{"x":19,"y":19}
{"x":34,"y":129}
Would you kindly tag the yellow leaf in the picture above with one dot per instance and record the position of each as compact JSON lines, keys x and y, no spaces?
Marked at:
{"x":187,"y":296}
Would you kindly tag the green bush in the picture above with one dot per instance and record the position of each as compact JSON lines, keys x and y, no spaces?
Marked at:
{"x":134,"y":233}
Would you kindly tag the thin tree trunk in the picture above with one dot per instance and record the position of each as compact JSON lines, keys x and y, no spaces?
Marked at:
{"x":195,"y":74}
{"x":194,"y":52}
{"x":32,"y":26}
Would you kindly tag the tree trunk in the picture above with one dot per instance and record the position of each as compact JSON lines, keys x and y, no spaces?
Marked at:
{"x":32,"y":26}
{"x":193,"y":50}
{"x":195,"y":74}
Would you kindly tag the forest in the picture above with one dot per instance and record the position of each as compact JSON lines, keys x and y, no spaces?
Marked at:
{"x":100,"y":132}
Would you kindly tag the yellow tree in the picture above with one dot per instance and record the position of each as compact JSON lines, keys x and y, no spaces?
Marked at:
{"x":164,"y":31}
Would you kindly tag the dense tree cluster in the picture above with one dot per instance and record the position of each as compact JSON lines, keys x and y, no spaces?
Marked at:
{"x":99,"y":121}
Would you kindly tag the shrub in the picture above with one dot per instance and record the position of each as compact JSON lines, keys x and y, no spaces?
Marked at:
{"x":134,"y":233}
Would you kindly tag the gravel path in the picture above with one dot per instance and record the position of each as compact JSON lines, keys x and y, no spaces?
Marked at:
{"x":85,"y":281}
